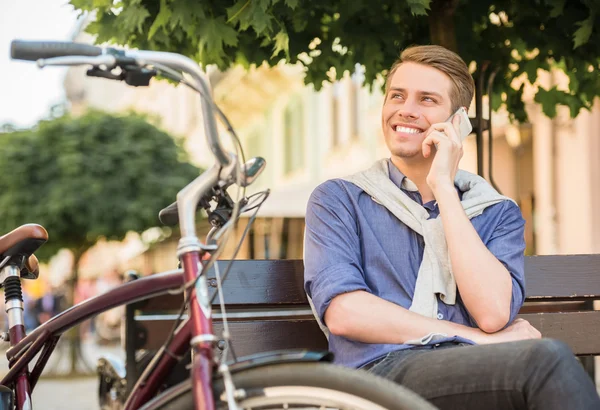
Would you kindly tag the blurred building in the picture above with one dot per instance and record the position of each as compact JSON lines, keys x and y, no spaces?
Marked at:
{"x":548,"y":166}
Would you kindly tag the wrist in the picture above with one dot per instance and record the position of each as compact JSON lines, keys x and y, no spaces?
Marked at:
{"x":479,"y":336}
{"x":443,"y":190}
{"x":472,"y":333}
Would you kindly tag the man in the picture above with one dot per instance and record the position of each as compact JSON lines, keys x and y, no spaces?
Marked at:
{"x":371,"y":262}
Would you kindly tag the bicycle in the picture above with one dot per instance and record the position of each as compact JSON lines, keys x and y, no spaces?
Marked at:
{"x":271,"y":380}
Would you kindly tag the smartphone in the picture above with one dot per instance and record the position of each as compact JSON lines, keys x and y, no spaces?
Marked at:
{"x":465,"y":123}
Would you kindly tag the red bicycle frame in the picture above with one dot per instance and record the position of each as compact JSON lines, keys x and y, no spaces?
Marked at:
{"x":45,"y":337}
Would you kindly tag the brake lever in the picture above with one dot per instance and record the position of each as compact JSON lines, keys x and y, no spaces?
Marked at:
{"x":97,"y":72}
{"x":138,"y":77}
{"x":134,"y":76}
{"x":219,"y":216}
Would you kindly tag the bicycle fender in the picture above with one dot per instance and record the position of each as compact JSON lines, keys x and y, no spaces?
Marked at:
{"x":279,"y":356}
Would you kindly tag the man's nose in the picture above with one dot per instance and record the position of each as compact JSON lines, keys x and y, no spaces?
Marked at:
{"x":409,"y":110}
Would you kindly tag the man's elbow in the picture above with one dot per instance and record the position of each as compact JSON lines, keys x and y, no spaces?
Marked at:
{"x":493,"y":323}
{"x":336,"y":317}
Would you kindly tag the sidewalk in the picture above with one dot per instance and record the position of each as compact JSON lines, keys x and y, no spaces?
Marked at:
{"x":66,"y":394}
{"x":56,"y":391}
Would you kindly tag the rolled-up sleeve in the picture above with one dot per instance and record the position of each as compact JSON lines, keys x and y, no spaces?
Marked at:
{"x":332,"y":257}
{"x":507,"y":243}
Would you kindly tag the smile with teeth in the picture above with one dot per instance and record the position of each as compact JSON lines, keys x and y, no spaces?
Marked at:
{"x":407,"y":130}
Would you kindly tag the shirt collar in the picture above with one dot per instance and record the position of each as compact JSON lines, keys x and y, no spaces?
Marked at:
{"x":399,"y":179}
{"x":402,"y":182}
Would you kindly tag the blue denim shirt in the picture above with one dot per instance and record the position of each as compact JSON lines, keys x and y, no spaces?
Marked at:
{"x":352,"y":243}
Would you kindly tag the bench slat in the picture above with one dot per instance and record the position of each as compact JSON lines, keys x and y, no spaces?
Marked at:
{"x":580,"y":330}
{"x":256,"y":283}
{"x":251,"y":337}
{"x":562,"y":276}
{"x":249,"y":283}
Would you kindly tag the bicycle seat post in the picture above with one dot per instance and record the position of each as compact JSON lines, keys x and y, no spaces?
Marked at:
{"x":13,"y":296}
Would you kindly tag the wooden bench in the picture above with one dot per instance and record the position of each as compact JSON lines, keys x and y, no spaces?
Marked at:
{"x":267,"y":308}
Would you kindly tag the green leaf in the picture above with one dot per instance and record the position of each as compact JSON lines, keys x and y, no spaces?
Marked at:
{"x":557,"y":7}
{"x":573,"y":83}
{"x":583,"y":33}
{"x":548,"y":99}
{"x":264,"y":4}
{"x":102,"y":3}
{"x":531,"y":67}
{"x":234,"y":13}
{"x":291,"y":3}
{"x":249,"y":13}
{"x":185,"y":14}
{"x":161,"y":20}
{"x":132,"y":18}
{"x":496,"y":101}
{"x":214,"y":34}
{"x":282,"y":43}
{"x":575,"y":105}
{"x":419,"y":7}
{"x":299,"y":22}
{"x":82,"y":4}
{"x":260,"y":21}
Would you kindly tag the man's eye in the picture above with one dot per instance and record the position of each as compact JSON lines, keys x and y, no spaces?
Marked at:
{"x":396,"y":96}
{"x":428,"y":99}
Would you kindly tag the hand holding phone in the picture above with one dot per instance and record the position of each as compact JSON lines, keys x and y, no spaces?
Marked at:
{"x":465,"y":126}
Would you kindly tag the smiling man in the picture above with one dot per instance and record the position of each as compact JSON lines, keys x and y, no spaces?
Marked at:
{"x":415,"y":268}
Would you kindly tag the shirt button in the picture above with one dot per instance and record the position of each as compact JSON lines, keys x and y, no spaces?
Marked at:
{"x":440,"y":316}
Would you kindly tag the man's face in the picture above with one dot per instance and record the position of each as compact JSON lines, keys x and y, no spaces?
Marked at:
{"x":418,"y":96}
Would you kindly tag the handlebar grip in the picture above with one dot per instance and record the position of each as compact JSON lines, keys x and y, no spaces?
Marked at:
{"x":169,"y":216}
{"x":34,"y":50}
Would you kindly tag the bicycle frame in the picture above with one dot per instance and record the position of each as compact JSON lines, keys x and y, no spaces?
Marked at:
{"x":45,"y":337}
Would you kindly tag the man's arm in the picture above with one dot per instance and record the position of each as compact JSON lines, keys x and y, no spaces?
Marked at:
{"x":476,"y":269}
{"x":484,"y":283}
{"x":366,"y":318}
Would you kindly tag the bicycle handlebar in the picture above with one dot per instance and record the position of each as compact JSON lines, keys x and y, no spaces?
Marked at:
{"x":34,"y":50}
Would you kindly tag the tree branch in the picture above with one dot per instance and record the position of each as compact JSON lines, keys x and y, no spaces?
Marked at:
{"x":441,"y":23}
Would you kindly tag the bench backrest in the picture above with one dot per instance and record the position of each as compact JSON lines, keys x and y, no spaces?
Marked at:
{"x":268,"y":310}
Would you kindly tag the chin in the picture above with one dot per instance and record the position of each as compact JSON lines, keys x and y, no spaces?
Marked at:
{"x":406,"y":152}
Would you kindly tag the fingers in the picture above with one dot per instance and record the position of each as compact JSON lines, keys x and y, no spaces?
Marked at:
{"x":532,"y":332}
{"x":451,"y":130}
{"x":439,"y":139}
{"x":536,"y":334}
{"x":456,"y":124}
{"x":434,"y":138}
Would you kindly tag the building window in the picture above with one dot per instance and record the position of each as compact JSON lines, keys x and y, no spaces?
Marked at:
{"x":293,"y":143}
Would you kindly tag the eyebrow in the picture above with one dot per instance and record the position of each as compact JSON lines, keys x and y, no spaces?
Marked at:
{"x":432,"y":93}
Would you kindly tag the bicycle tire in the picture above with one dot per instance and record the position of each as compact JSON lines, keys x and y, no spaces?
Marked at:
{"x":317,"y":383}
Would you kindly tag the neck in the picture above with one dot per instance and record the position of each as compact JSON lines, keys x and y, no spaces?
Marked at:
{"x":417,"y":172}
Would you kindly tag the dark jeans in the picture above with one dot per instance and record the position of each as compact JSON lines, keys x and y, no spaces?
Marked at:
{"x":531,"y":374}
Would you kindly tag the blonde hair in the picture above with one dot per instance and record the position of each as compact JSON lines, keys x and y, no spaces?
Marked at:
{"x":448,"y":62}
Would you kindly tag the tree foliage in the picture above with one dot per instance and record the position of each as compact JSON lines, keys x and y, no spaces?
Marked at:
{"x":93,"y":176}
{"x":517,"y":37}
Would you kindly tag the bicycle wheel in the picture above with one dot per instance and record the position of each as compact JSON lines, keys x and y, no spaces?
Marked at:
{"x":303,"y":385}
